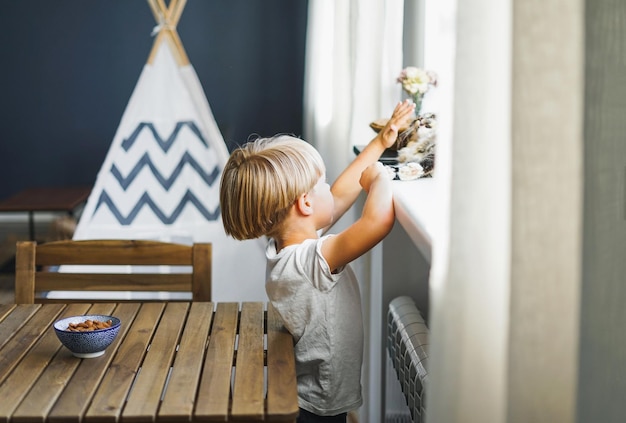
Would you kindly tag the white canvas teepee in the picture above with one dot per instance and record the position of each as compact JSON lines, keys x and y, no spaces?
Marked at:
{"x":160,"y":178}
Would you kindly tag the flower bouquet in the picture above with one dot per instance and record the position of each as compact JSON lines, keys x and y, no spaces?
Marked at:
{"x":416,"y":82}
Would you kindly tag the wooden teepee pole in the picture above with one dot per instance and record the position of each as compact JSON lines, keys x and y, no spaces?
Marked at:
{"x":167,"y":18}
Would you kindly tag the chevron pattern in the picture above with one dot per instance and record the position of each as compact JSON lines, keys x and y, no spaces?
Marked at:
{"x":146,"y":201}
{"x":165,"y":144}
{"x":165,"y":182}
{"x":209,"y":178}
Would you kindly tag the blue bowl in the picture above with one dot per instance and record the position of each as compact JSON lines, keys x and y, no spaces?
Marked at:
{"x":87,"y":344}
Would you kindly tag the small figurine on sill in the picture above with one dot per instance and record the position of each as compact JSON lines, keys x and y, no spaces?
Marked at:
{"x":418,"y":147}
{"x":415,"y":148}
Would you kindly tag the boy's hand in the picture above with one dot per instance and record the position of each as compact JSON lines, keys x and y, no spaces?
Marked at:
{"x":402,"y":115}
{"x":376,"y":221}
{"x":371,"y":173}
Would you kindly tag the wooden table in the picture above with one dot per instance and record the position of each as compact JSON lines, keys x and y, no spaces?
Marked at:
{"x":171,"y":362}
{"x":45,"y":199}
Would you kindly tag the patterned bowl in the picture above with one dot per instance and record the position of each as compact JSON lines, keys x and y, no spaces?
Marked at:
{"x":90,"y":343}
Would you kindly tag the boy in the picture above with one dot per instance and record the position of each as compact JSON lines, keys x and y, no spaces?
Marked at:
{"x":277,"y":187}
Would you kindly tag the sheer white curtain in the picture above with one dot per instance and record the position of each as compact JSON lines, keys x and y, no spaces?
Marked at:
{"x":353,"y":56}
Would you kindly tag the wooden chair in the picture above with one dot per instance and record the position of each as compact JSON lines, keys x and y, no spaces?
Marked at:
{"x":33,"y":261}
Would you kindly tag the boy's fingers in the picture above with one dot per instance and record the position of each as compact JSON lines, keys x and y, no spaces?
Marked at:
{"x":402,"y":112}
{"x":404,"y":108}
{"x":402,"y":105}
{"x":402,"y":117}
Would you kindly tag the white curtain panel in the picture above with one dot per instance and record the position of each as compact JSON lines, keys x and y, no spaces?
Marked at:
{"x":353,"y":56}
{"x":471,"y":262}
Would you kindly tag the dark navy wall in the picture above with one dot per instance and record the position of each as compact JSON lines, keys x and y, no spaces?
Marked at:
{"x":69,"y":68}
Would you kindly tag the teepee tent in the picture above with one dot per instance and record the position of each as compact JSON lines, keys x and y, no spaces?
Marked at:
{"x":160,"y":178}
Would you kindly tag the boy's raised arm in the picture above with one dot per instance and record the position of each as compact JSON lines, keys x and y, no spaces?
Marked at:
{"x":346,"y":188}
{"x":375,"y":222}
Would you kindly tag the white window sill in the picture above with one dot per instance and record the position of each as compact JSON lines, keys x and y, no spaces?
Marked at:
{"x":416,"y":210}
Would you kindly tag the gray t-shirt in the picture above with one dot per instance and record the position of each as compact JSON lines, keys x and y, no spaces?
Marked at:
{"x":323,"y":313}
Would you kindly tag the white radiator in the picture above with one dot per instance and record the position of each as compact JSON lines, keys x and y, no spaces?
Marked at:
{"x":396,"y":410}
{"x":407,"y":344}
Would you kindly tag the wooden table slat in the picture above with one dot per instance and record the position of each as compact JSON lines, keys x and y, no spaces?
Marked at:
{"x":17,"y":346}
{"x":282,"y":394}
{"x":248,"y":391}
{"x":145,"y":397}
{"x":113,"y":390}
{"x":214,"y":393}
{"x":75,"y":399}
{"x":19,"y":382}
{"x":180,"y":396}
{"x":47,"y":389}
{"x":5,"y":310}
{"x":14,"y":321}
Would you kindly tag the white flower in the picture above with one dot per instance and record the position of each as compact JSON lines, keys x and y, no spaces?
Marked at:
{"x":416,"y":80}
{"x":410,"y":171}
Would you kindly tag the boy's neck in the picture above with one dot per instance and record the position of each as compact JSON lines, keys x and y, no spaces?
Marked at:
{"x":287,"y":238}
{"x":295,"y":229}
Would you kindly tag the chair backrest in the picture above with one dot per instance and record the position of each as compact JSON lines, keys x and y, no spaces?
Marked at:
{"x":35,"y":269}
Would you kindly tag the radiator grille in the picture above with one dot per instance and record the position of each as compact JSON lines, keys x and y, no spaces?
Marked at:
{"x":407,"y":343}
{"x":398,"y":418}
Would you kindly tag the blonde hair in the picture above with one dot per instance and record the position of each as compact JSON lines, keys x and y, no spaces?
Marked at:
{"x":262,"y":180}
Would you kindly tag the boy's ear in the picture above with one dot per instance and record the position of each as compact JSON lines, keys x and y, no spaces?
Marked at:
{"x":304,"y":205}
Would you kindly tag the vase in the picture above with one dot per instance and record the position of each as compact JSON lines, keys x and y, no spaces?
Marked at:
{"x":417,"y":99}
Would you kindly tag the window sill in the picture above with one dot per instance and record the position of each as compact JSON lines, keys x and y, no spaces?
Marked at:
{"x":416,"y":210}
